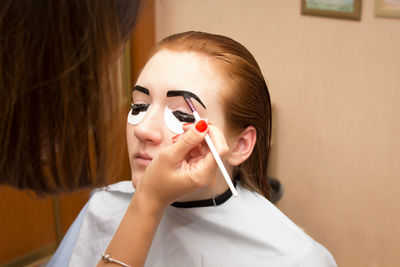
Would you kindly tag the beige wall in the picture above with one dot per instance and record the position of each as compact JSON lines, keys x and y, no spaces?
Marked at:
{"x":335,"y":86}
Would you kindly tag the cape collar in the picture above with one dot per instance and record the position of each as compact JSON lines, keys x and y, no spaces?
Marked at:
{"x":215,"y":201}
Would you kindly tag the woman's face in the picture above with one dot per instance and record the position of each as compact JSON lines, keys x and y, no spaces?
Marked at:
{"x":159,"y":109}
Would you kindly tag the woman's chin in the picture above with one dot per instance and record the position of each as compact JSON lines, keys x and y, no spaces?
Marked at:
{"x":135,"y":179}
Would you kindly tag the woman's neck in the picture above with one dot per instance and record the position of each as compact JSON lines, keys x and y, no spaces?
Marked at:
{"x":219,"y":188}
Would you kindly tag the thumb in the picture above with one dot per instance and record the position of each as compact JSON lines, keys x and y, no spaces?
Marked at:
{"x":189,"y":140}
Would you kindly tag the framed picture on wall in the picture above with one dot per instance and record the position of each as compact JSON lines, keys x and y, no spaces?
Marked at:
{"x":387,"y":8}
{"x":346,"y":9}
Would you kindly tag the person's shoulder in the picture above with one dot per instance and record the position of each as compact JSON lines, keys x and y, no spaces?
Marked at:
{"x":283,"y":234}
{"x":111,"y":198}
{"x":116,"y":189}
{"x":317,"y":256}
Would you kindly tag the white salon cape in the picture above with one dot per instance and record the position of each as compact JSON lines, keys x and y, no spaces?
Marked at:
{"x":244,"y":231}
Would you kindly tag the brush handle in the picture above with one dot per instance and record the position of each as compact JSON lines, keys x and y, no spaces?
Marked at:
{"x":218,"y":159}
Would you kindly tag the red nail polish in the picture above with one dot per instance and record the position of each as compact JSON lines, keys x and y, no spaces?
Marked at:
{"x":201,"y":126}
{"x":176,"y":136}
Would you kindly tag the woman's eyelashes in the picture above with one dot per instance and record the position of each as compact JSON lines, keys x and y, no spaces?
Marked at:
{"x":137,"y":113}
{"x":173,"y":118}
{"x":183,"y":117}
{"x":137,"y":108}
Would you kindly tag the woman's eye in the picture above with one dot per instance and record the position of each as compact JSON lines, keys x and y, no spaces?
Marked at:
{"x":137,"y":113}
{"x":137,"y":108}
{"x":183,"y":117}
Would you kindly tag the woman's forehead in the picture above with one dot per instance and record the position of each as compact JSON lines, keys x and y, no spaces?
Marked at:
{"x":181,"y":71}
{"x":179,"y":67}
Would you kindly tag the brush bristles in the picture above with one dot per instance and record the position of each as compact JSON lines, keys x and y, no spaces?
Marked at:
{"x":190,"y":103}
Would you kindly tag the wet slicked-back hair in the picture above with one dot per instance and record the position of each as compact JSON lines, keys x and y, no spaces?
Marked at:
{"x":59,"y":89}
{"x":247,"y":103}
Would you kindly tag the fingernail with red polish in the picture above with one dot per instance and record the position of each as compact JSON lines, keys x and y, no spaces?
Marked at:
{"x":201,"y":126}
{"x":176,"y":136}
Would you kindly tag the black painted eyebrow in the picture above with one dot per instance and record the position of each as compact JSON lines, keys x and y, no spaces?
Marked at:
{"x":141,"y":89}
{"x":186,"y":94}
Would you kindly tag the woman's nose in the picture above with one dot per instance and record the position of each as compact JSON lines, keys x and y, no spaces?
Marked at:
{"x":150,"y":128}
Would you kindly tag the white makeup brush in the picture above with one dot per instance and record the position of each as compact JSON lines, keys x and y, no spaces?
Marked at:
{"x":213,"y":150}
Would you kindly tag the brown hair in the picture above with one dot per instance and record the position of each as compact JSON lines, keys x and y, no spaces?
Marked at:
{"x":59,"y":89}
{"x":248,"y":102}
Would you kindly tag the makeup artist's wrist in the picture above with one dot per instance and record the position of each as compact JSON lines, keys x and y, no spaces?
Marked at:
{"x":136,"y":231}
{"x":144,"y":203}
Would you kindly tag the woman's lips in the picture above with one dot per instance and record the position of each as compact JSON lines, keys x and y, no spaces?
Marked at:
{"x":143,"y":159}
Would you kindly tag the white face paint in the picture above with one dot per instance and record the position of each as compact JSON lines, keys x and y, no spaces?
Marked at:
{"x":135,"y":119}
{"x":172,"y":122}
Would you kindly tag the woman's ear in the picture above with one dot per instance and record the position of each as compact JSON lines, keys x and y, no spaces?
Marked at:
{"x":243,"y":146}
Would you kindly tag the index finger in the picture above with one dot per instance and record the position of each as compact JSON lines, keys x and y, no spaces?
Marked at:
{"x":189,"y":140}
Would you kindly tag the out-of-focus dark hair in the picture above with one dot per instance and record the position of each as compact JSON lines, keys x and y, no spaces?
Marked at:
{"x":60,"y":90}
{"x":247,"y":101}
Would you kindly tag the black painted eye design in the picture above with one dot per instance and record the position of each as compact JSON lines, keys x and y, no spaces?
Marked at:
{"x":137,"y":113}
{"x":183,"y":117}
{"x":137,"y":108}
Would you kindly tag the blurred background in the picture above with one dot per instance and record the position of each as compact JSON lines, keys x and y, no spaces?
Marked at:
{"x":335,"y":89}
